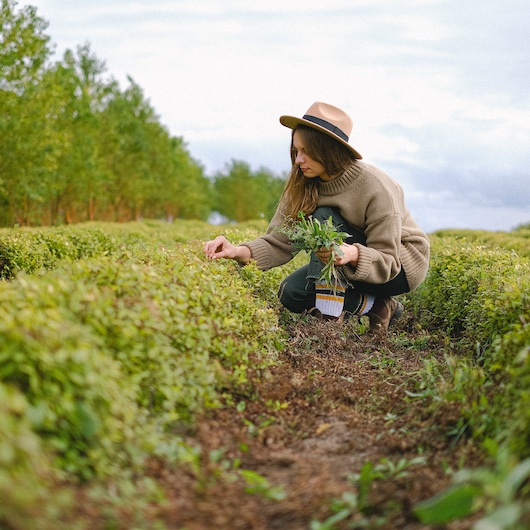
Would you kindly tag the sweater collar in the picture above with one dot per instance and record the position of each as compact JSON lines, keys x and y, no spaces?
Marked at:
{"x":342,"y":182}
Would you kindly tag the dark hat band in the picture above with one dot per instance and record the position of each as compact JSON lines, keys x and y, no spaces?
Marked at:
{"x":329,"y":126}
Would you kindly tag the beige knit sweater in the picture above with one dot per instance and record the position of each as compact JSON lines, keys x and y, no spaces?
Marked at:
{"x":371,"y":201}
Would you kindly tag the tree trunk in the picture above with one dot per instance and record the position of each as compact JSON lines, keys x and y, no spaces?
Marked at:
{"x":91,"y":209}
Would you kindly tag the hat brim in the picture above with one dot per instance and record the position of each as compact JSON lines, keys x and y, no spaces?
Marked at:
{"x":291,"y":122}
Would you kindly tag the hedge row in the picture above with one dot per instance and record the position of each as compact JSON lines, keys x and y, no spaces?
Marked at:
{"x":32,"y":250}
{"x":517,"y":240}
{"x":104,"y":360}
{"x":112,"y":337}
{"x":479,"y":295}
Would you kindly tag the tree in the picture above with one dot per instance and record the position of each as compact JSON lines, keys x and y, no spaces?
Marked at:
{"x":124,"y":147}
{"x":242,"y":195}
{"x":23,"y":46}
{"x":273,"y":185}
{"x":82,"y":92}
{"x":74,"y":146}
{"x":191,"y":196}
{"x":24,"y":50}
{"x":148,"y":171}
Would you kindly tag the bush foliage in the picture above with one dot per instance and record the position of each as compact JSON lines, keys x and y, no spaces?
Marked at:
{"x":119,"y":340}
{"x":114,"y":337}
{"x":479,"y":296}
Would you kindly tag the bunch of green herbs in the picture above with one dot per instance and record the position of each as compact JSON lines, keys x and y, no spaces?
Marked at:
{"x":311,"y":235}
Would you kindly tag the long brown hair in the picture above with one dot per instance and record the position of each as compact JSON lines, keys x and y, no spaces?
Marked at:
{"x":301,"y":193}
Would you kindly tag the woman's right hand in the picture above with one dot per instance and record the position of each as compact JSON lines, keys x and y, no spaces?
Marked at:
{"x":220,"y":247}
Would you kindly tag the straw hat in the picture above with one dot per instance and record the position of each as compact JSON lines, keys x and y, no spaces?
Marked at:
{"x":325,"y":118}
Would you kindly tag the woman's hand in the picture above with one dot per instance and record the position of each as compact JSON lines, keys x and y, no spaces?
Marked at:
{"x":350,"y":254}
{"x":220,"y":247}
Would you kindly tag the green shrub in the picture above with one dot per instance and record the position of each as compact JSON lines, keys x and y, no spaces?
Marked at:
{"x":517,"y":240}
{"x":25,"y":470}
{"x":479,"y":297}
{"x":32,"y":251}
{"x":76,"y":243}
{"x":36,"y":249}
{"x":113,"y":353}
{"x":510,"y":361}
{"x":79,"y":401}
{"x":475,"y":293}
{"x":21,"y":252}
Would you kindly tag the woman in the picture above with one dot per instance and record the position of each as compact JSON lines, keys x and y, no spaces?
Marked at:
{"x":387,"y":253}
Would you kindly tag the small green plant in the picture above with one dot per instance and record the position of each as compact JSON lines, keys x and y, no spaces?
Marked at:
{"x":417,"y":343}
{"x":388,"y":469}
{"x":310,"y":235}
{"x":256,"y":430}
{"x":277,"y":404}
{"x":258,"y":484}
{"x":355,"y":507}
{"x":344,"y":508}
{"x":502,"y":492}
{"x":364,"y":480}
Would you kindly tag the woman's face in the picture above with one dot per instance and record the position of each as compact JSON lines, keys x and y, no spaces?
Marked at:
{"x":309,"y":167}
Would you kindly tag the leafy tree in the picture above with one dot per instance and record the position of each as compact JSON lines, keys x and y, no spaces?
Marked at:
{"x":74,"y":146}
{"x":148,"y":171}
{"x":242,"y":195}
{"x":192,"y":196}
{"x":274,"y":186}
{"x":23,"y":46}
{"x":81,"y":91}
{"x":125,"y":150}
{"x":24,"y":129}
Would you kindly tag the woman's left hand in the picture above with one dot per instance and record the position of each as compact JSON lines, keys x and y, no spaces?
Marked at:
{"x":350,"y":254}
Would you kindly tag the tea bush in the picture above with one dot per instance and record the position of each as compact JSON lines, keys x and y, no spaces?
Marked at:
{"x":115,"y":337}
{"x":479,"y":296}
{"x":31,"y":251}
{"x":475,"y":293}
{"x":79,"y":402}
{"x":21,"y":252}
{"x":517,"y":240}
{"x":113,"y":353}
{"x":25,"y":470}
{"x":510,"y":362}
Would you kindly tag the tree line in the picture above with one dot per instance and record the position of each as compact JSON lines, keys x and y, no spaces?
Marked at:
{"x":75,"y":146}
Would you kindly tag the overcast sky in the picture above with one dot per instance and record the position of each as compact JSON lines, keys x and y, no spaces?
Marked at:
{"x":439,"y":90}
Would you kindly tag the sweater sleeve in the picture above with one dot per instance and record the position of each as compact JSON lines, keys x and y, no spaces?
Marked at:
{"x":383,"y":206}
{"x":273,"y":248}
{"x":379,"y":260}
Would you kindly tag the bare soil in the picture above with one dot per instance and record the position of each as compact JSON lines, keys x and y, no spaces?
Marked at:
{"x":337,"y":400}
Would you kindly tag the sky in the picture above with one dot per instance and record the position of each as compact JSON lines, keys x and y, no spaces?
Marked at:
{"x":438,"y":90}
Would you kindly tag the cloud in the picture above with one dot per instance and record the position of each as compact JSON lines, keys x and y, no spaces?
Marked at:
{"x":437,"y":89}
{"x":435,"y":212}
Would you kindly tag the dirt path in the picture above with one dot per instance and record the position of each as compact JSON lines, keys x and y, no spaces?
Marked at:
{"x":335,"y":403}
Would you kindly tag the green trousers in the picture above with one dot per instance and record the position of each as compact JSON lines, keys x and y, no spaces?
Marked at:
{"x":297,"y":291}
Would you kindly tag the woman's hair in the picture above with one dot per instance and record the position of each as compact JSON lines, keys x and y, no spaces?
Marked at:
{"x":301,"y":193}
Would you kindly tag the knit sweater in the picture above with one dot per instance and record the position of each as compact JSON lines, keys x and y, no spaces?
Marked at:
{"x":371,"y":201}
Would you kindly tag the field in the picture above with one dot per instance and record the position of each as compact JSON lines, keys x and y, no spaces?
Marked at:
{"x":144,"y":387}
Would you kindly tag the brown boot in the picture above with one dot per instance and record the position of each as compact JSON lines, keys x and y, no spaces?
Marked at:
{"x":383,"y":313}
{"x":314,"y":312}
{"x":321,"y":317}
